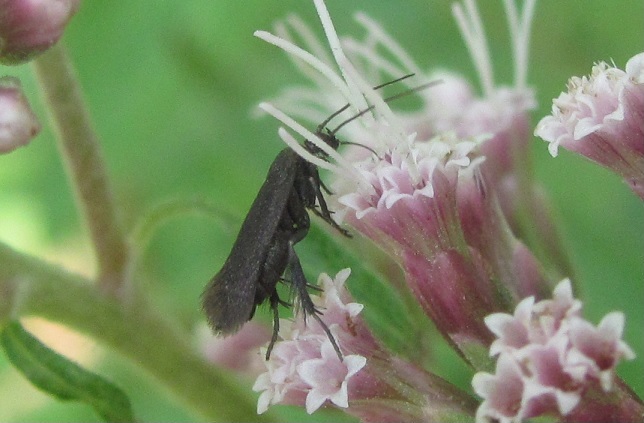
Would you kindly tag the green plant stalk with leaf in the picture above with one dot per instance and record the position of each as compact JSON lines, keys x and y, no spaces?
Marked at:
{"x":108,"y":309}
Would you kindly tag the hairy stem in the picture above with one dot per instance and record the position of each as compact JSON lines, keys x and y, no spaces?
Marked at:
{"x":81,"y":149}
{"x":31,"y":287}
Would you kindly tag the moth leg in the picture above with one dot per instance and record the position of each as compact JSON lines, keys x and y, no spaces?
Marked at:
{"x":295,"y":221}
{"x":299,"y":283}
{"x":284,"y":303}
{"x":315,"y":182}
{"x":325,"y":188}
{"x":275,"y":301}
{"x":314,"y":287}
{"x":290,"y":283}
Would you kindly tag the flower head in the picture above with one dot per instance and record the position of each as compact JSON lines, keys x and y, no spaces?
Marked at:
{"x":304,"y":368}
{"x":368,"y":382}
{"x":600,"y":117}
{"x":425,"y":188}
{"x":549,"y":359}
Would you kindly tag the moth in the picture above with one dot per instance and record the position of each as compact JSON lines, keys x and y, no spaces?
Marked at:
{"x":264,"y":249}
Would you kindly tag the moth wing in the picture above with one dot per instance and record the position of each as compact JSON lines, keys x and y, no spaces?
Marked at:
{"x":229,"y":299}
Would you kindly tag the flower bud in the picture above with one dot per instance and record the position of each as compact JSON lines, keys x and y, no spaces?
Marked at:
{"x":18,"y":123}
{"x":29,"y":27}
{"x":238,"y":352}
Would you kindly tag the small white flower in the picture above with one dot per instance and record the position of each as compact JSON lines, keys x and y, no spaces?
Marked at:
{"x":502,"y":392}
{"x":635,"y":68}
{"x":512,"y":331}
{"x":328,"y":377}
{"x":598,"y":349}
{"x":336,"y":301}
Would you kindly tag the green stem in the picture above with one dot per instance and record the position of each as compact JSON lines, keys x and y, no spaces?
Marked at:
{"x":81,"y":148}
{"x":31,"y":287}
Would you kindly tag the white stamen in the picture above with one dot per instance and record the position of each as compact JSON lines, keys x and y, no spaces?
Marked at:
{"x":282,"y":31}
{"x":474,"y":36}
{"x":380,"y":107}
{"x":315,"y":46}
{"x":520,"y":34}
{"x":388,"y":42}
{"x":304,"y":103}
{"x":366,"y":91}
{"x":343,"y":166}
{"x":304,"y":153}
{"x":308,"y":58}
{"x":374,"y":59}
{"x":356,"y":99}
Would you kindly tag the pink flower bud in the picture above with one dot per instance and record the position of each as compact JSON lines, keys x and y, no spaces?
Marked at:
{"x":29,"y":27}
{"x":239,"y":352}
{"x":18,"y":123}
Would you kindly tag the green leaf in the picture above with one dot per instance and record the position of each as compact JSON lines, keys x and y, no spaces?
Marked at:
{"x":62,"y":378}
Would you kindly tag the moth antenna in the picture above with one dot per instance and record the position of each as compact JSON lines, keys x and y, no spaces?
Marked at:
{"x":386,"y":100}
{"x":326,"y":121}
{"x":402,"y":78}
{"x":360,"y":145}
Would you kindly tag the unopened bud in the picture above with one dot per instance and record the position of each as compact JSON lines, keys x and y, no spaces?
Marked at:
{"x":18,"y":123}
{"x":29,"y":27}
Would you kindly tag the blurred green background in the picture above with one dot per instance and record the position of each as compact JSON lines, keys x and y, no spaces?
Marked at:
{"x":172,"y":87}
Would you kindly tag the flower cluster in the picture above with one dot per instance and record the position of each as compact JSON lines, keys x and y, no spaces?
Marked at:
{"x":549,"y":358}
{"x":600,"y":117}
{"x":305,"y":364}
{"x":447,"y":192}
{"x":438,"y":194}
{"x":368,"y":382}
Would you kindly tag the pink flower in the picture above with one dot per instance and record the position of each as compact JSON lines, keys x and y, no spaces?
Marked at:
{"x":368,"y":383}
{"x":18,"y":123}
{"x":304,"y":368}
{"x":512,"y":331}
{"x":600,"y":117}
{"x":598,"y":349}
{"x":551,"y":361}
{"x":533,"y":323}
{"x":425,"y":196}
{"x":328,"y":377}
{"x":502,"y":392}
